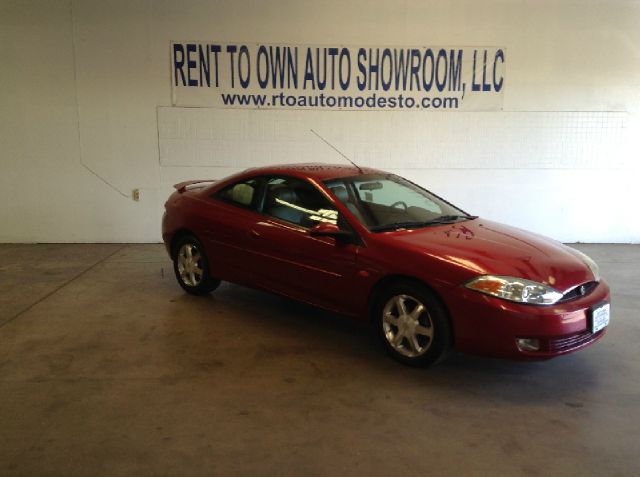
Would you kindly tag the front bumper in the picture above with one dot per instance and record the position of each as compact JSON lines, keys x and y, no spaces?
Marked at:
{"x":490,"y":326}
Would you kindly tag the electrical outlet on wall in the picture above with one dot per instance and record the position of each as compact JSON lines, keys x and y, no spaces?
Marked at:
{"x":135,"y":194}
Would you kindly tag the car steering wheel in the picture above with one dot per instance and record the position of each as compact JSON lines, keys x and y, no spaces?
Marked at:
{"x":403,"y":204}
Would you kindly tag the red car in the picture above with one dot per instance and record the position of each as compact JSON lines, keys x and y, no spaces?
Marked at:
{"x":370,"y":244}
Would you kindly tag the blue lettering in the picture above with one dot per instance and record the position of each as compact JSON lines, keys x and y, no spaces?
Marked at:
{"x":231,"y":49}
{"x":401,"y":69}
{"x":442,"y":56}
{"x":262,"y":54}
{"x":215,"y":49}
{"x":344,"y":83}
{"x":178,"y":64}
{"x":308,"y":71}
{"x":485,"y":86}
{"x":455,"y":71}
{"x":205,"y":65}
{"x":244,"y":53}
{"x":362,"y":57}
{"x":474,"y":86}
{"x":386,"y":55}
{"x":321,"y":84}
{"x":293,"y":68}
{"x":333,"y":52}
{"x":428,"y":58}
{"x":415,"y":69}
{"x":191,"y":64}
{"x":497,"y":85}
{"x":373,"y":68}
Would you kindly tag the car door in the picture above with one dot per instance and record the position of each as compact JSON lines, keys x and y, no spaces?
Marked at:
{"x":318,"y":270}
{"x":227,"y":220}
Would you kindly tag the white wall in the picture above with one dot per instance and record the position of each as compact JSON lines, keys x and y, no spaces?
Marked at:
{"x":84,"y":88}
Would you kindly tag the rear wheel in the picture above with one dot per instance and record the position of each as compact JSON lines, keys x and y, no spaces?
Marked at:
{"x":192,"y":268}
{"x":413,"y":324}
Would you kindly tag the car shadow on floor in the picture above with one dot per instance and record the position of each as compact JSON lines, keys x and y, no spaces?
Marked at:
{"x":283,"y":328}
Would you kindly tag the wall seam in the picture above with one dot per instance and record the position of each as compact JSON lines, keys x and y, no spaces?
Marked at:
{"x":77,"y":105}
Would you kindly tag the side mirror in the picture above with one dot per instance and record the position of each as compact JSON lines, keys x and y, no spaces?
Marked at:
{"x":326,"y":229}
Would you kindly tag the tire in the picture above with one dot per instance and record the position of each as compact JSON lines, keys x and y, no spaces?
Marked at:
{"x":419,"y":336}
{"x":191,"y":267}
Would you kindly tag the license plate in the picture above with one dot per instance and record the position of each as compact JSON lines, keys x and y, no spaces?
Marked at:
{"x":600,"y":317}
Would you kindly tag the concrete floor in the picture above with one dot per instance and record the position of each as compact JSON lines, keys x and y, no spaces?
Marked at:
{"x":108,"y":368}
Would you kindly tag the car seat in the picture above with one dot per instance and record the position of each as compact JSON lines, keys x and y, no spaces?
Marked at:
{"x":342,"y":195}
{"x":242,"y":194}
{"x":281,"y":204}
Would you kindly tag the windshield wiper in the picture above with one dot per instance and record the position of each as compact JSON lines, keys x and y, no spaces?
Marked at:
{"x":397,"y":225}
{"x":416,"y":224}
{"x":449,"y":218}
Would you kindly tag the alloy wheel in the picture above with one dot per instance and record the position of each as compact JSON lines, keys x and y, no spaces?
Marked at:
{"x":190,"y":265}
{"x":407,"y":325}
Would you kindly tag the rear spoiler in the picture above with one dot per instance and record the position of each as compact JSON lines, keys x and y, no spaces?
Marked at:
{"x":183,"y":186}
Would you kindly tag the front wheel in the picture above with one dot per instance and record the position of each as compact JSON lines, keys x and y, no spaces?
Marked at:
{"x":413,"y":324}
{"x":192,"y":268}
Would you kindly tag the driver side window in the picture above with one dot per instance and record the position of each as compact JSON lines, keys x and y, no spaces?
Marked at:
{"x":298,"y":202}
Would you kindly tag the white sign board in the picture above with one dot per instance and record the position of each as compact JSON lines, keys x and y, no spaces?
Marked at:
{"x":266,"y":76}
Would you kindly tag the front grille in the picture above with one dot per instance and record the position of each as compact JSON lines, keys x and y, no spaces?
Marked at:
{"x":579,"y":291}
{"x":573,"y":341}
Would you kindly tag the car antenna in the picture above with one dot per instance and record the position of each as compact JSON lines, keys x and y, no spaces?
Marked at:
{"x":338,"y":151}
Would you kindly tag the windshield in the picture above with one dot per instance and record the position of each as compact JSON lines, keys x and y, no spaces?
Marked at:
{"x":389,"y":202}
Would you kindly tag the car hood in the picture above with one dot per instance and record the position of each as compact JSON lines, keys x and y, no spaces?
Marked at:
{"x":483,"y":247}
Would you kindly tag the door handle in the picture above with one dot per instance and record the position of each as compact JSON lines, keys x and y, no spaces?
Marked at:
{"x":254,"y":233}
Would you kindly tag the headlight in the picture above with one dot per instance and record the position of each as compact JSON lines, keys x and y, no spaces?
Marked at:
{"x":515,"y":289}
{"x":593,"y":266}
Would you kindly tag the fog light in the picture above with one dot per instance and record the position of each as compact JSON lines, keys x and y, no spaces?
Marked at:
{"x":528,"y":344}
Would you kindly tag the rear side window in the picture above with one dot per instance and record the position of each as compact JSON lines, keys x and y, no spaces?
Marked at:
{"x":244,"y":194}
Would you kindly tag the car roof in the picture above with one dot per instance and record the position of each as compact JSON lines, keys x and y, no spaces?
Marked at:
{"x":314,"y":170}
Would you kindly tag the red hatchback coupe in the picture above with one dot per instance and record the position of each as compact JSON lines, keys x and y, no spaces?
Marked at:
{"x":370,"y":244}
